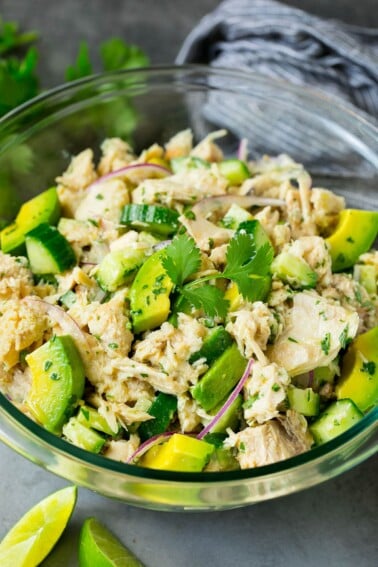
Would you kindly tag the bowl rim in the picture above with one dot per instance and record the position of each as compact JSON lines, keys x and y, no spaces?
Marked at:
{"x":85,"y":458}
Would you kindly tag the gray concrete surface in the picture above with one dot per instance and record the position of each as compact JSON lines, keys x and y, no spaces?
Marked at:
{"x":334,"y":524}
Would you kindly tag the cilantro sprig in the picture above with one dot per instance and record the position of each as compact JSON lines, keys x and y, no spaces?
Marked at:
{"x":249,"y":256}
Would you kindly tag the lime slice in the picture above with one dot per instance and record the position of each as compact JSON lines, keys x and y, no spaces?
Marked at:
{"x":36,"y":533}
{"x":98,"y":547}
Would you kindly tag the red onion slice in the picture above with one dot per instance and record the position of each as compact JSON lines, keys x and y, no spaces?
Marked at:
{"x":222,"y":203}
{"x":161,"y":245}
{"x":143,"y":448}
{"x":243,"y":149}
{"x":229,"y":401}
{"x":143,"y":171}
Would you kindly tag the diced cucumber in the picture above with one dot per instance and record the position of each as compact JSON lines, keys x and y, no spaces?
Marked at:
{"x":160,"y":220}
{"x":294,"y":271}
{"x":162,"y":409}
{"x":306,"y":402}
{"x":68,"y":299}
{"x":222,"y":459}
{"x":188,"y":162}
{"x":366,"y":275}
{"x":117,"y":267}
{"x":48,"y":251}
{"x":234,"y":170}
{"x":337,"y":418}
{"x":234,"y":216}
{"x":220,"y":379}
{"x":91,"y":418}
{"x":82,"y":436}
{"x":213,"y":346}
{"x":42,"y":208}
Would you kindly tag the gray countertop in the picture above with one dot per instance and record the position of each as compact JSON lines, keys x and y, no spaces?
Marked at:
{"x":334,"y":524}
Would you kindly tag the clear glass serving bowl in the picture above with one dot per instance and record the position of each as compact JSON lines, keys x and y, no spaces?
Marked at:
{"x":339,"y":148}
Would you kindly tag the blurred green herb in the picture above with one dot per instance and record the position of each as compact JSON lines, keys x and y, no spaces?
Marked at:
{"x":19,"y":80}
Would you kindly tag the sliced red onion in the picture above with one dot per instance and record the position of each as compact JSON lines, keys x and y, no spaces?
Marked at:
{"x":229,"y":401}
{"x":311,"y":377}
{"x":143,"y":448}
{"x":161,"y":245}
{"x":67,"y":323}
{"x":143,"y":171}
{"x":243,"y":149}
{"x":222,"y":203}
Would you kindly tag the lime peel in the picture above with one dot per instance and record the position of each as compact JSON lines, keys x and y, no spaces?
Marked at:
{"x":100,"y":547}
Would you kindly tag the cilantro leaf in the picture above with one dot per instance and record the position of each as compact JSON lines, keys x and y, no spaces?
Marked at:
{"x":182,"y":258}
{"x":82,"y":66}
{"x":209,"y":298}
{"x":11,"y":38}
{"x":18,"y":80}
{"x":244,"y":260}
{"x":116,"y":54}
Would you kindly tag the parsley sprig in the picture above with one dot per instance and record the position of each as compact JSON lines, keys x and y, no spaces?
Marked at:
{"x":249,"y":256}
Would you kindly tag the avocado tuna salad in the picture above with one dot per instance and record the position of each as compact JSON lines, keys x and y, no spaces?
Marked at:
{"x":182,"y":310}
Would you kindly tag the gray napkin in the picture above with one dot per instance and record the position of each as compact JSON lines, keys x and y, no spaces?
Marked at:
{"x":276,"y":40}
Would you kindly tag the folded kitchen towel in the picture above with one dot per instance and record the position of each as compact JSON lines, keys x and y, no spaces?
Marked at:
{"x":276,"y":40}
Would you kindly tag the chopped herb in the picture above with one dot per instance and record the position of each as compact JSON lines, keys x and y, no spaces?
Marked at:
{"x":54,"y":376}
{"x":85,"y":413}
{"x":99,"y":196}
{"x":113,"y":345}
{"x":250,"y":401}
{"x":242,"y":447}
{"x":276,"y":387}
{"x":48,"y":364}
{"x":343,"y":338}
{"x":292,"y":339}
{"x":350,"y":239}
{"x":325,"y":343}
{"x":368,"y":367}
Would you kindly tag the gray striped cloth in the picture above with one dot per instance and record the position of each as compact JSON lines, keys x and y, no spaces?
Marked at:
{"x":275,"y":40}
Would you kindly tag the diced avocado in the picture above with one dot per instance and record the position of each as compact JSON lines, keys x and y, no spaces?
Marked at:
{"x":213,"y":346}
{"x":153,"y":218}
{"x":90,"y":417}
{"x":306,"y":402}
{"x":233,"y":296}
{"x":149,"y":295}
{"x":117,"y":267}
{"x":180,"y":453}
{"x":354,"y":235}
{"x":294,"y":271}
{"x":366,"y":275}
{"x":42,"y":208}
{"x":230,"y":418}
{"x":189,"y":162}
{"x":234,"y":170}
{"x":222,"y":459}
{"x":359,"y":371}
{"x":337,"y":418}
{"x":57,"y":382}
{"x":48,"y":250}
{"x":82,"y":436}
{"x":234,"y":216}
{"x":163,"y":409}
{"x":220,"y":379}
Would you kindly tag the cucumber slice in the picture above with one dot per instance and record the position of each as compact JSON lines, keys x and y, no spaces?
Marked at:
{"x":91,"y":418}
{"x":234,"y":216}
{"x":220,"y":379}
{"x":117,"y":267}
{"x":162,"y":409}
{"x":160,"y":220}
{"x":48,"y":251}
{"x":189,"y":162}
{"x":306,"y":402}
{"x":336,"y":419}
{"x":234,"y":170}
{"x":213,"y":346}
{"x":81,"y":436}
{"x":366,"y":275}
{"x":294,"y":271}
{"x":42,"y":208}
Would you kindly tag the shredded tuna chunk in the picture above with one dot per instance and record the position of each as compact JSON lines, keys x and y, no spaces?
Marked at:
{"x":16,"y":279}
{"x":122,"y":450}
{"x":180,"y":145}
{"x":72,"y":184}
{"x":104,"y":200}
{"x":264,"y":391}
{"x":313,"y":249}
{"x":116,"y":153}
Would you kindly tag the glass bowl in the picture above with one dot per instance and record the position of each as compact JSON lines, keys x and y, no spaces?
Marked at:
{"x":339,"y":148}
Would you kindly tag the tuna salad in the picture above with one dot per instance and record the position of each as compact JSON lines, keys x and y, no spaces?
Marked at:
{"x":182,"y":310}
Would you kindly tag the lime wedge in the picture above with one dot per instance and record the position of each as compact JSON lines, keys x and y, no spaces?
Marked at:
{"x":36,"y":533}
{"x":98,"y":547}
